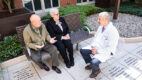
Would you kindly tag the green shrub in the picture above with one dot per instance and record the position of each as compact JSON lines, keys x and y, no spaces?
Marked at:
{"x":129,"y":8}
{"x":10,"y":47}
{"x":84,"y":10}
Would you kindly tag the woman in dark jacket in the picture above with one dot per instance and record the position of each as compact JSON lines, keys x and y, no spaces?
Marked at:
{"x":59,"y":30}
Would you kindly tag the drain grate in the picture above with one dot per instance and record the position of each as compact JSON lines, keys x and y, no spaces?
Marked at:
{"x":25,"y":73}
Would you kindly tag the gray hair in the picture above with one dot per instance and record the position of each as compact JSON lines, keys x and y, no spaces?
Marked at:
{"x":105,"y":15}
{"x":52,"y":11}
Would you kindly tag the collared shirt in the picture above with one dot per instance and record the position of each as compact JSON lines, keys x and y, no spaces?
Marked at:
{"x":105,"y":42}
{"x":39,"y":34}
{"x":59,"y":24}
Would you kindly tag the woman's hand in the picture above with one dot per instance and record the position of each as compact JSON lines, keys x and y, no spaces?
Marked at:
{"x":52,"y":40}
{"x":66,"y":37}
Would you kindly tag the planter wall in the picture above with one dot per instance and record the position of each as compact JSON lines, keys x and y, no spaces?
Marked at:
{"x":139,"y":2}
{"x":104,"y":3}
{"x":8,"y":24}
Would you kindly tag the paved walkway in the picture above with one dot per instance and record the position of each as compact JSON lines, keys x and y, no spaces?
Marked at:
{"x":125,"y":65}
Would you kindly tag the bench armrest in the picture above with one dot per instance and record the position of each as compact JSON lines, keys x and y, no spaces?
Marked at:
{"x":29,"y":52}
{"x":88,"y":30}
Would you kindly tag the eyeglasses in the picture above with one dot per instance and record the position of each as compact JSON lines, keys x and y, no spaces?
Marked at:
{"x":56,"y":14}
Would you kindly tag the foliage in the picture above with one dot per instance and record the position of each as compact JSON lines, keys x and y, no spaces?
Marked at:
{"x":129,"y":8}
{"x":10,"y":47}
{"x":84,"y":10}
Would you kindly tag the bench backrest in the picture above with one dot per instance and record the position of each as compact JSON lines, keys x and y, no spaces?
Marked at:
{"x":73,"y":21}
{"x":20,"y":30}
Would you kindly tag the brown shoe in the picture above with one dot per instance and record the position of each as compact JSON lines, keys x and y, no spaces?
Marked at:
{"x":56,"y":69}
{"x":93,"y":75}
{"x":88,"y":67}
{"x":46,"y":68}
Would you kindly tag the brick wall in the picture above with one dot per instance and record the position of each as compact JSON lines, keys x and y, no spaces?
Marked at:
{"x":18,"y":4}
{"x":1,"y":6}
{"x":67,"y":2}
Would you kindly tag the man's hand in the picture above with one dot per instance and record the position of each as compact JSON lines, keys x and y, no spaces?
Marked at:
{"x":52,"y":40}
{"x":39,"y":47}
{"x":94,"y":51}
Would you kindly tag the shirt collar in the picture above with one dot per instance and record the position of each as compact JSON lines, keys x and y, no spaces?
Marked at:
{"x":109,"y":25}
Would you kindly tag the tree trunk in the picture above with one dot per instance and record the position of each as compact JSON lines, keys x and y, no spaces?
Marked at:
{"x":9,"y":7}
{"x":116,"y":11}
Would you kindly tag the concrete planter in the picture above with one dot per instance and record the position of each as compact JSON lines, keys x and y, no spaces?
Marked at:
{"x":9,"y":23}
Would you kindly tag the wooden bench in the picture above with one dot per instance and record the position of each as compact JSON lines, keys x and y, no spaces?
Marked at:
{"x":74,"y":24}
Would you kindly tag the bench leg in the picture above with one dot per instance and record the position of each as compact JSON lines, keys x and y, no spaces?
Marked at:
{"x":77,"y":46}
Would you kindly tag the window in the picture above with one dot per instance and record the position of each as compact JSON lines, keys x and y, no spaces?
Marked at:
{"x":51,"y":3}
{"x":38,"y":5}
{"x":28,"y":4}
{"x":78,"y":1}
{"x":84,"y":1}
{"x":47,"y":3}
{"x":55,"y":3}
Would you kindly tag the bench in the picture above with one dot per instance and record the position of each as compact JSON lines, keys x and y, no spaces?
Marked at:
{"x":74,"y":23}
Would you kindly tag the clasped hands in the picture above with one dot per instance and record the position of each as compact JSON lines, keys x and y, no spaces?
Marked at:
{"x":94,"y":51}
{"x":66,"y":37}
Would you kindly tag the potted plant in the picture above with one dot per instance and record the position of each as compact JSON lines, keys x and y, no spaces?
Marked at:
{"x":12,"y":18}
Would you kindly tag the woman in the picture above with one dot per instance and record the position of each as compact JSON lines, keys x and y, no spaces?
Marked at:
{"x":59,"y":30}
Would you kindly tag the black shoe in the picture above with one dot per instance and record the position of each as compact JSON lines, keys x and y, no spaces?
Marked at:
{"x":46,"y":68}
{"x":72,"y":63}
{"x":68,"y":65}
{"x":56,"y":69}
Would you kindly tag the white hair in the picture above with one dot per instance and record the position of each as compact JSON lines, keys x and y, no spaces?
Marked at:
{"x":105,"y":15}
{"x":52,"y":11}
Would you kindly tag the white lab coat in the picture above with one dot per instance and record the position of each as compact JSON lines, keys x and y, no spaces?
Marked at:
{"x":105,"y":42}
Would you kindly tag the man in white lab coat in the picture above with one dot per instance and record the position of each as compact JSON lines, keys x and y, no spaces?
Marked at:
{"x":103,"y":46}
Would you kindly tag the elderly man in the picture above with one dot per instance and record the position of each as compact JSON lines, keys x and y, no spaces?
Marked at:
{"x":103,"y":46}
{"x":38,"y":40}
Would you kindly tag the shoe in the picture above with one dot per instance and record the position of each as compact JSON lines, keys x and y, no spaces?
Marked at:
{"x":68,"y":65}
{"x":93,"y":75}
{"x":46,"y":68}
{"x":72,"y":63}
{"x":88,"y":67}
{"x":56,"y":69}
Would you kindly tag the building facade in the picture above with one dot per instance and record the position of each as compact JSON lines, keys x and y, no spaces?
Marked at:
{"x":42,"y":6}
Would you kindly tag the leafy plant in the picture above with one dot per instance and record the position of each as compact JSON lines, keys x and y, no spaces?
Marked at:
{"x":84,"y":10}
{"x":10,"y":47}
{"x":129,"y":8}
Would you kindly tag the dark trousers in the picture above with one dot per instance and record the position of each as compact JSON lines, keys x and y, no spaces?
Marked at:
{"x":38,"y":55}
{"x":93,"y":61}
{"x":63,"y":46}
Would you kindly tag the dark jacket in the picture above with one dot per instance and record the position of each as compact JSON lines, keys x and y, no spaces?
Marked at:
{"x":55,"y":31}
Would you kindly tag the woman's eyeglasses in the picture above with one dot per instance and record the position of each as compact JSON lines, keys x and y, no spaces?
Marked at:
{"x":57,"y":14}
